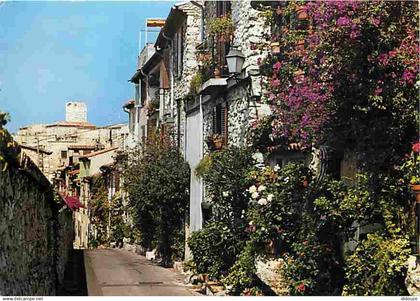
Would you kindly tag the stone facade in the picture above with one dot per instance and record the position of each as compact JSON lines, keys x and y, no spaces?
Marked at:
{"x":35,"y":233}
{"x":192,"y":38}
{"x":269,"y":271}
{"x":76,"y":112}
{"x":412,"y":280}
{"x":61,"y":138}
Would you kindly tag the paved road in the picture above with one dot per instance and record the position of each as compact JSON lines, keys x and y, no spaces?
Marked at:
{"x":114,"y":272}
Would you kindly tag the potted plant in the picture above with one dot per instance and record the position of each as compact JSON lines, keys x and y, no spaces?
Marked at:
{"x":301,"y":13}
{"x":215,"y":141}
{"x":221,"y":28}
{"x":152,"y":106}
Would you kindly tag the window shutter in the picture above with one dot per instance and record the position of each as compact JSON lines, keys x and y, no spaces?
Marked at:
{"x":117,"y":181}
{"x":224,"y":123}
{"x":215,"y":120}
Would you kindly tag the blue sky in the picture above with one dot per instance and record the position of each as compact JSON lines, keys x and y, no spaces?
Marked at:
{"x":54,"y":52}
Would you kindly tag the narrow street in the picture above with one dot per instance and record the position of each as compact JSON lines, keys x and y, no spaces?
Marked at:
{"x":113,"y":272}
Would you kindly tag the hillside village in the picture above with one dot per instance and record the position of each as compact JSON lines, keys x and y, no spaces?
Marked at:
{"x":271,"y":148}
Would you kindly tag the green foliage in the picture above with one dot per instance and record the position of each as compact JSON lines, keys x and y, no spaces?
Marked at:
{"x":411,"y":165}
{"x":9,"y":150}
{"x":217,"y":245}
{"x":215,"y":248}
{"x":242,"y":274}
{"x":277,"y":202}
{"x":157,"y":179}
{"x":221,"y":27}
{"x":196,"y":83}
{"x":378,"y":267}
{"x":203,"y":166}
{"x":225,"y":177}
{"x":154,"y":104}
{"x":99,"y":210}
{"x":4,"y":118}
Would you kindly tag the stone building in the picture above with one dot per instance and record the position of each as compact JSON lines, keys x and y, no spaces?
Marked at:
{"x":90,"y":166}
{"x":63,"y":138}
{"x":76,"y":112}
{"x":226,"y":102}
{"x":58,"y":149}
{"x":185,"y":88}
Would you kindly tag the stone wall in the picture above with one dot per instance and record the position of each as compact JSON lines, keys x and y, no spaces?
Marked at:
{"x":412,"y":280}
{"x":192,"y":38}
{"x":249,"y":32}
{"x":35,"y":232}
{"x":76,"y":112}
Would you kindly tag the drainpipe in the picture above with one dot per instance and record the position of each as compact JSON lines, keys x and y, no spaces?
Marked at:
{"x":147,"y":96}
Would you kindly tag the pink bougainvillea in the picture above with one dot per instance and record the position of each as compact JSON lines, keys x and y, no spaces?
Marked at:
{"x":361,"y":52}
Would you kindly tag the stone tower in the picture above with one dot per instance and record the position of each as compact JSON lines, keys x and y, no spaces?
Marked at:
{"x":76,"y":112}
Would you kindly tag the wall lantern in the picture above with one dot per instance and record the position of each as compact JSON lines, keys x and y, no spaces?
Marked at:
{"x":235,"y":60}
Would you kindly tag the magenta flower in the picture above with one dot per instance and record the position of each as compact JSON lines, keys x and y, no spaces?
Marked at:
{"x":376,"y":22}
{"x":408,"y":76}
{"x":343,"y":21}
{"x":277,"y":66}
{"x":275,"y":83}
{"x":378,"y":91}
{"x":392,"y":53}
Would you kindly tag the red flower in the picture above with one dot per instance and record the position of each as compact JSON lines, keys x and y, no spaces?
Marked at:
{"x":416,"y":147}
{"x":301,"y":287}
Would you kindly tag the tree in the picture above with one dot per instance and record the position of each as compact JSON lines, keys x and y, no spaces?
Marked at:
{"x":157,"y":180}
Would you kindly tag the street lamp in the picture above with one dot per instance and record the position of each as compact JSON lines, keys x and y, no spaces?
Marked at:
{"x":235,"y":60}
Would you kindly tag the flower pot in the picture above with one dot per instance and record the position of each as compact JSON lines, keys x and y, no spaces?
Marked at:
{"x":301,"y":13}
{"x":275,"y":48}
{"x":416,"y":189}
{"x":218,"y":143}
{"x":300,"y":45}
{"x":216,"y":72}
{"x":299,"y":76}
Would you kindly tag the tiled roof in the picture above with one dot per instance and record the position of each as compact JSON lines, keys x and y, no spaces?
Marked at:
{"x":82,"y":146}
{"x":72,"y":124}
{"x":98,"y":152}
{"x":35,"y":149}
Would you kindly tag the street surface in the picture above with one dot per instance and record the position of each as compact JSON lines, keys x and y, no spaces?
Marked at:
{"x":115,"y":272}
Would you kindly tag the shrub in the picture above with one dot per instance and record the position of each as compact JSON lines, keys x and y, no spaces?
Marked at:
{"x":157,"y":180}
{"x":215,"y":248}
{"x":378,"y":267}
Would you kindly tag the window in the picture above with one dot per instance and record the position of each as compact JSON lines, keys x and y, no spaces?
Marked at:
{"x":220,"y":122}
{"x":143,"y":94}
{"x":223,"y":8}
{"x":137,"y":94}
{"x":117,"y":182}
{"x":178,"y":51}
{"x":63,"y":154}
